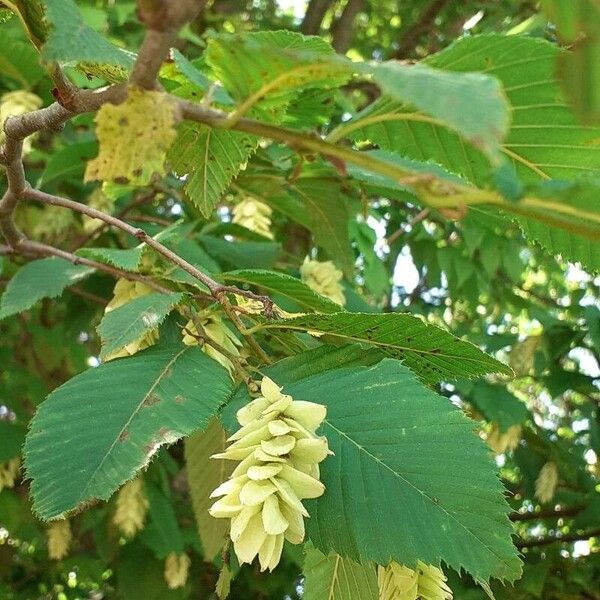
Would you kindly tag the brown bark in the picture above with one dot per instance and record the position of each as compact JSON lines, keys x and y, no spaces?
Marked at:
{"x":412,"y":36}
{"x":315,"y":13}
{"x":342,"y":30}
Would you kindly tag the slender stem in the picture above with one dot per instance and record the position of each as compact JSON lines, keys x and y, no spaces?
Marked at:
{"x":88,"y":295}
{"x":140,"y":234}
{"x":401,"y":230}
{"x":344,"y":129}
{"x":236,"y":361}
{"x":310,"y":143}
{"x":551,"y":513}
{"x":235,"y":319}
{"x":30,"y":248}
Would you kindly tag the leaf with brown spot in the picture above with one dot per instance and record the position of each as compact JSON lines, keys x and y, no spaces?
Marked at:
{"x":67,"y":469}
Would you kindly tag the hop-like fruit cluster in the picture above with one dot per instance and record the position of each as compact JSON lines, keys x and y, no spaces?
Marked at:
{"x":177,"y":567}
{"x":14,"y":104}
{"x":9,"y":471}
{"x":280,"y":455}
{"x":100,"y":201}
{"x":124,"y":292}
{"x":324,"y":278}
{"x":132,"y":505}
{"x":216,"y":330}
{"x":521,"y":357}
{"x":426,"y":582}
{"x":501,"y":442}
{"x":546,"y":482}
{"x":54,"y":223}
{"x":59,"y":539}
{"x":254,"y":215}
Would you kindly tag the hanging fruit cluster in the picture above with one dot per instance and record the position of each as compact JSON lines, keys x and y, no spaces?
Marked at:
{"x":280,"y":455}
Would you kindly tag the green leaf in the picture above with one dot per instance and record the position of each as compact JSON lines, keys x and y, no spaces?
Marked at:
{"x":12,"y":436}
{"x":497,"y":404}
{"x":270,"y":186}
{"x":203,"y":476}
{"x":98,"y":429}
{"x":210,"y":158}
{"x":265,"y":70}
{"x":409,"y":479}
{"x":68,"y":161}
{"x":19,"y":61}
{"x":70,"y":40}
{"x":317,"y":200}
{"x":126,"y":259}
{"x":434,"y":354}
{"x":284,"y":285}
{"x":326,"y":205}
{"x":443,"y":95}
{"x":45,"y":278}
{"x":274,"y":65}
{"x":335,"y":578}
{"x":223,"y":585}
{"x":578,"y":24}
{"x":130,"y":321}
{"x":198,"y":79}
{"x":565,"y":219}
{"x":162,"y":533}
{"x":545,"y":140}
{"x":246,"y":255}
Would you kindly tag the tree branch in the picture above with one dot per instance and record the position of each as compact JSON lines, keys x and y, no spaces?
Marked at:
{"x":315,"y":13}
{"x":418,"y":28}
{"x":545,"y":541}
{"x":549,"y":513}
{"x":163,"y":19}
{"x":31,"y":249}
{"x":342,"y":30}
{"x":213,"y":286}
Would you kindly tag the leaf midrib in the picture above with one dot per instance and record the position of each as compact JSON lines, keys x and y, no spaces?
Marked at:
{"x":84,"y":493}
{"x":410,"y":484}
{"x":379,"y":343}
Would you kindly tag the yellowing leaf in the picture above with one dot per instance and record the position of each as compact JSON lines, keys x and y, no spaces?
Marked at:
{"x":203,"y":475}
{"x":134,"y":138}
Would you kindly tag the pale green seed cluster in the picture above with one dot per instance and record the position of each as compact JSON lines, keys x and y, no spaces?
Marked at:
{"x":280,"y":455}
{"x":9,"y":471}
{"x":546,"y":482}
{"x":214,"y":328}
{"x":324,"y":278}
{"x":59,"y":538}
{"x":131,"y":508}
{"x":399,"y":582}
{"x":176,"y":571}
{"x":254,"y":215}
